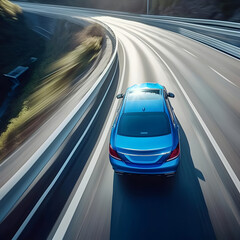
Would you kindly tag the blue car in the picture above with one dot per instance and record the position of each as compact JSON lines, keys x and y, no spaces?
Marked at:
{"x":144,"y":137}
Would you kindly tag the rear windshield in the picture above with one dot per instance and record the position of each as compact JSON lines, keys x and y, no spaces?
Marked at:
{"x":144,"y":94}
{"x":144,"y":124}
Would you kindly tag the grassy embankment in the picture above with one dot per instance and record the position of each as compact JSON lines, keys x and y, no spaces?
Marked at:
{"x":67,"y":54}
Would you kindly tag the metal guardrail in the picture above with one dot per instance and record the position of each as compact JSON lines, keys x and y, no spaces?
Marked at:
{"x":15,"y":187}
{"x":212,"y":34}
{"x":12,"y":190}
{"x":225,"y":47}
{"x":199,"y":26}
{"x":217,"y":23}
{"x":225,"y":33}
{"x":222,"y":30}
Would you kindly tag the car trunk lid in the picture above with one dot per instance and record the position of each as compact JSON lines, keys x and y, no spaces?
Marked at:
{"x":144,"y":150}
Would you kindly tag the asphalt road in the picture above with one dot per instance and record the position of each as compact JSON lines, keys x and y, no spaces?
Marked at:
{"x":203,"y":200}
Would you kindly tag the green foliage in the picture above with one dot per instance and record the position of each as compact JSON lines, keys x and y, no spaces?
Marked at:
{"x":8,"y":10}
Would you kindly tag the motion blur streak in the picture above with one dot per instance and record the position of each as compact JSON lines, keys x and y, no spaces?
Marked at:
{"x":211,"y":138}
{"x":78,"y":195}
{"x":202,"y":201}
{"x":61,"y":170}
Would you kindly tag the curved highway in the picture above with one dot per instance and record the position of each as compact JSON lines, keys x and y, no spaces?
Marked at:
{"x":88,"y":201}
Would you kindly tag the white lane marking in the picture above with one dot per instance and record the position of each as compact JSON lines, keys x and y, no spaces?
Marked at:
{"x":26,"y":221}
{"x":189,"y":53}
{"x":223,"y":76}
{"x":204,"y":126}
{"x":63,"y":226}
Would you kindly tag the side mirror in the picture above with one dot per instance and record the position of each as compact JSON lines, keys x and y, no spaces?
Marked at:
{"x":119,"y":96}
{"x":171,"y":95}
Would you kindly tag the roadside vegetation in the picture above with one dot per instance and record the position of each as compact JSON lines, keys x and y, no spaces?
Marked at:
{"x":68,"y":54}
{"x":8,"y":10}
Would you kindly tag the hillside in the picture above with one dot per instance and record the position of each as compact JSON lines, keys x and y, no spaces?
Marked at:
{"x":69,"y":52}
{"x":210,"y":9}
{"x":17,"y":42}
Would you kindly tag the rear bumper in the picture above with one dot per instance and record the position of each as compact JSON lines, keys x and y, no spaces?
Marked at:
{"x":164,"y":168}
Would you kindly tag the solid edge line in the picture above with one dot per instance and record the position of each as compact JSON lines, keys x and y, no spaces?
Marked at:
{"x":63,"y":226}
{"x":26,"y":221}
{"x":204,"y":126}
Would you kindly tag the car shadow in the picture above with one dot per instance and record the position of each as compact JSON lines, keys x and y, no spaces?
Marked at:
{"x":154,"y":207}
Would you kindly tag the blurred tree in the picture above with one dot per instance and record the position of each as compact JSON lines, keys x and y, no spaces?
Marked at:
{"x":157,"y":6}
{"x":228,"y":7}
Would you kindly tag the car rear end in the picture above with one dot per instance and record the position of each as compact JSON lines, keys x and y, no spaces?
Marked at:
{"x":144,"y":140}
{"x":145,"y":161}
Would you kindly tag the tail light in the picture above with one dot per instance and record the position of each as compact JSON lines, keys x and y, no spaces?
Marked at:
{"x":113,"y":153}
{"x":174,"y":154}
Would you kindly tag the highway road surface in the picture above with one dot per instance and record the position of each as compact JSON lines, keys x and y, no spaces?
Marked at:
{"x":88,"y":201}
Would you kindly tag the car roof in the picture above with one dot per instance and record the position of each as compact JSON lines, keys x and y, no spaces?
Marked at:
{"x":146,"y":97}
